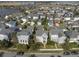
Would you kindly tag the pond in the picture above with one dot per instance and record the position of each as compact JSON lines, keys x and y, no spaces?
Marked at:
{"x":8,"y":11}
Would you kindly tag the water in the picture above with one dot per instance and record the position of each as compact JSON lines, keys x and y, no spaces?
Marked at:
{"x":8,"y":11}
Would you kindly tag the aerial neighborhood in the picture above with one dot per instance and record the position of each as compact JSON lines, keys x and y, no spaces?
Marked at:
{"x":40,"y":24}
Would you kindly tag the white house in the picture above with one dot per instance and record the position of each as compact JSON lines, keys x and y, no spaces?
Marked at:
{"x":67,"y":18}
{"x":42,"y":16}
{"x":76,"y":18}
{"x":41,"y":36}
{"x":57,"y":36}
{"x":49,"y":17}
{"x":39,"y":22}
{"x":6,"y":17}
{"x":27,"y":11}
{"x":23,"y":36}
{"x":35,"y":17}
{"x":4,"y":34}
{"x":24,"y":19}
{"x":29,"y":16}
{"x":23,"y":39}
{"x":32,"y":23}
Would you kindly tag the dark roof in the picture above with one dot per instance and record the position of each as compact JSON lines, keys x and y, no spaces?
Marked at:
{"x":5,"y":31}
{"x":40,"y":32}
{"x":2,"y":25}
{"x":71,"y":34}
{"x":57,"y":31}
{"x":27,"y":31}
{"x":12,"y":22}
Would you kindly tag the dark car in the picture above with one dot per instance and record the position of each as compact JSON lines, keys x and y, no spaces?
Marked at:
{"x":52,"y":56}
{"x":74,"y":52}
{"x":58,"y":56}
{"x":1,"y":54}
{"x":67,"y":53}
{"x":32,"y":55}
{"x":20,"y":53}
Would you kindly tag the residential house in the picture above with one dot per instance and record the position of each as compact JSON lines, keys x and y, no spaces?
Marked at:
{"x":41,"y":36}
{"x":76,"y":18}
{"x":35,"y":17}
{"x":29,"y":16}
{"x":50,"y":17}
{"x":2,"y":26}
{"x":75,"y":24}
{"x":24,"y":19}
{"x":52,"y":11}
{"x":39,"y":22}
{"x":57,"y":35}
{"x":11,"y":24}
{"x":67,"y":18}
{"x":68,"y":14}
{"x":23,"y":36}
{"x":42,"y":16}
{"x":32,"y":23}
{"x":73,"y":36}
{"x":5,"y":34}
{"x":39,"y":27}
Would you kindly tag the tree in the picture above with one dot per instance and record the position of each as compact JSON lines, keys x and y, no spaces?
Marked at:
{"x":13,"y":37}
{"x":24,"y":26}
{"x":65,"y":46}
{"x":49,"y":42}
{"x":45,"y":23}
{"x":36,"y":46}
{"x":22,"y":47}
{"x":5,"y":44}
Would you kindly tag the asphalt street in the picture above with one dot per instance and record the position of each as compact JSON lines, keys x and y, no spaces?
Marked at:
{"x":14,"y":54}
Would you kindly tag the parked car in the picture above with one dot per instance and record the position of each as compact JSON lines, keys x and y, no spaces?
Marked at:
{"x":1,"y":54}
{"x":58,"y":56}
{"x":20,"y":53}
{"x":74,"y":52}
{"x":52,"y":56}
{"x":66,"y":53}
{"x":32,"y":55}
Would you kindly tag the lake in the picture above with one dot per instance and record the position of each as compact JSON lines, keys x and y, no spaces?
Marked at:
{"x":8,"y":11}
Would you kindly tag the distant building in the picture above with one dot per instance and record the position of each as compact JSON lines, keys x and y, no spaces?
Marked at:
{"x":5,"y":34}
{"x":11,"y":24}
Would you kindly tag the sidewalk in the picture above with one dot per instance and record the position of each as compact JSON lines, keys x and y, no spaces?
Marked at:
{"x":60,"y":49}
{"x":51,"y":49}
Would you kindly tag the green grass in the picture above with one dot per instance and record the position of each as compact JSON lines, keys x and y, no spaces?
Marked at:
{"x":74,"y":45}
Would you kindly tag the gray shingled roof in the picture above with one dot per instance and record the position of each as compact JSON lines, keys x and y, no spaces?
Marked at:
{"x":5,"y":31}
{"x":12,"y":22}
{"x":71,"y":34}
{"x":39,"y":27}
{"x":2,"y":25}
{"x":57,"y":31}
{"x":40,"y":32}
{"x":27,"y":31}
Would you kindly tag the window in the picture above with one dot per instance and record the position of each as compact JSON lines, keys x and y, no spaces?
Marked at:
{"x":44,"y":38}
{"x":25,"y":41}
{"x":20,"y":40}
